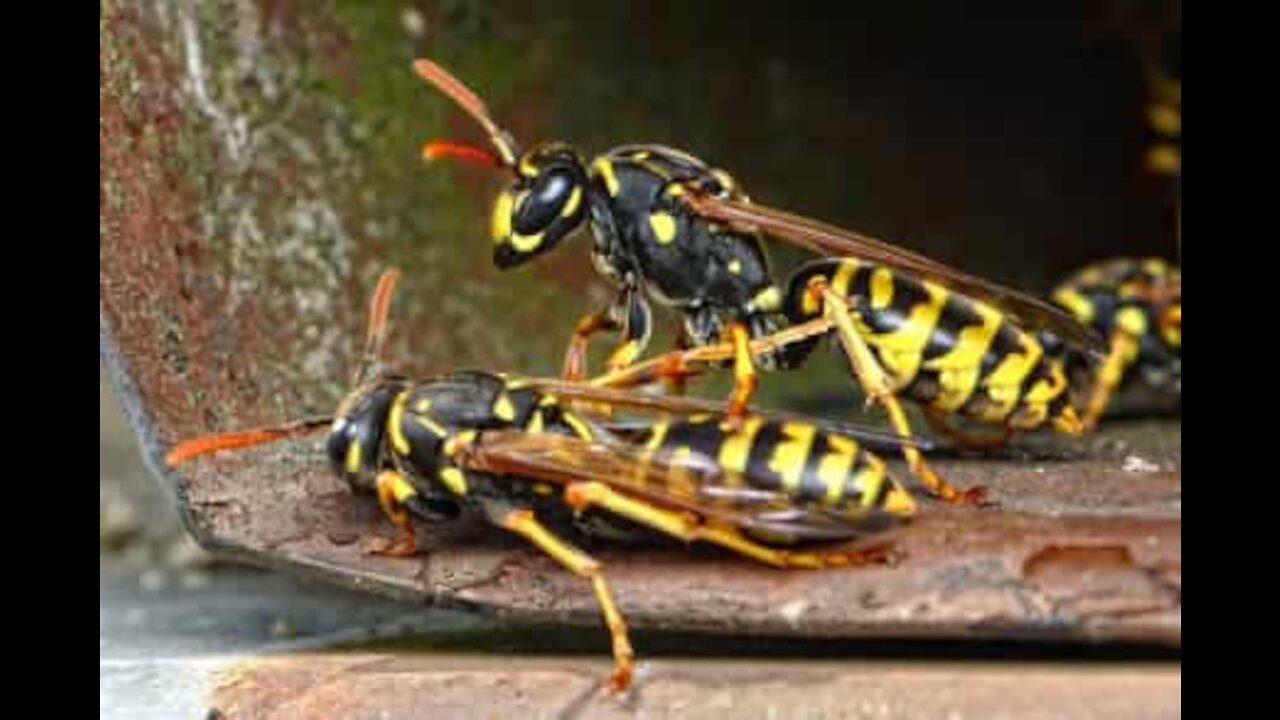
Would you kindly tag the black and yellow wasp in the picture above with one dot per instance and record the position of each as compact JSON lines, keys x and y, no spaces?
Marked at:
{"x":670,"y":227}
{"x":1136,"y":303}
{"x":528,"y":462}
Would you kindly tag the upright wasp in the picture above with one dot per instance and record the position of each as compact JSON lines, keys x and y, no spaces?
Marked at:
{"x":528,"y":463}
{"x":670,"y":227}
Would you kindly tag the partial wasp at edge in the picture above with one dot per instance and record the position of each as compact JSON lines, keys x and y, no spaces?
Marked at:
{"x":669,"y":227}
{"x":527,"y":461}
{"x":1136,"y":303}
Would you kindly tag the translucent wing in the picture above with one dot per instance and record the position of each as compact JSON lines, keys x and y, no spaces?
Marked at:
{"x":673,"y":405}
{"x":690,"y":482}
{"x":831,"y":240}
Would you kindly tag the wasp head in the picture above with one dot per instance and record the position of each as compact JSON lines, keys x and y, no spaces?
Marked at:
{"x":356,"y":436}
{"x":544,"y":204}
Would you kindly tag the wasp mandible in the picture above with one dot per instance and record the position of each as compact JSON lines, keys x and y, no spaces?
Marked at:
{"x":670,"y":227}
{"x":529,"y":463}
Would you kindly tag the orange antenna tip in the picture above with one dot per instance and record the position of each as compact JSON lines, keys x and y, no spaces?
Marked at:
{"x":440,"y":149}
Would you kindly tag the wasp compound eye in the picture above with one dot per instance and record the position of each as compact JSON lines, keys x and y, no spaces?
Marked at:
{"x":534,"y":215}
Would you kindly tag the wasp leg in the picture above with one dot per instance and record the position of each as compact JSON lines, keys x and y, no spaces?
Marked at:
{"x":876,"y":383}
{"x":629,"y":316}
{"x":744,"y":373}
{"x":688,"y":527}
{"x":971,"y":441}
{"x":575,"y":358}
{"x":525,"y":524}
{"x":393,"y":493}
{"x":1123,"y":348}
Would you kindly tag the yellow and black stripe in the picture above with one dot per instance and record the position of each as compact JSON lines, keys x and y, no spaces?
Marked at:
{"x":946,"y":351}
{"x":797,"y":464}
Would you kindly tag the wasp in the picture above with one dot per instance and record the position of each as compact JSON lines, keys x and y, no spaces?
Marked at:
{"x":669,"y":227}
{"x":525,"y":460}
{"x":1136,"y":303}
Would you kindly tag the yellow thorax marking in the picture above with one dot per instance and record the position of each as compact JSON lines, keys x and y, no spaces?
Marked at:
{"x":503,"y":408}
{"x":399,"y":442}
{"x":663,"y":226}
{"x":604,"y":168}
{"x":454,"y":480}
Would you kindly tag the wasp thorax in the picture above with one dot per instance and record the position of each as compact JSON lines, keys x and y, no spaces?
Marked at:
{"x":541,"y":207}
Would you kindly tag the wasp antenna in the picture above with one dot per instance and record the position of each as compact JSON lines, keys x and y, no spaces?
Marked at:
{"x":437,"y":149}
{"x":376,"y":333}
{"x":207,"y":444}
{"x":451,"y":86}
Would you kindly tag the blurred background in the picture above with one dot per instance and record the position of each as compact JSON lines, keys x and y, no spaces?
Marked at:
{"x":1009,"y":139}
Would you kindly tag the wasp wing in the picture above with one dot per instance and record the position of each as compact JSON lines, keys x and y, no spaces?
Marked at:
{"x":689,"y":482}
{"x":831,"y":240}
{"x":650,"y":403}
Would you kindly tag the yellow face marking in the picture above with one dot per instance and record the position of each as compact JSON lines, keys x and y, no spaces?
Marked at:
{"x":835,"y":465}
{"x":395,"y":418}
{"x":788,"y":457}
{"x":881,"y":288}
{"x":736,"y":448}
{"x":768,"y":300}
{"x":1075,"y":303}
{"x":663,"y":226}
{"x":453,"y":479}
{"x":526,"y":243}
{"x":423,"y":405}
{"x":500,"y":223}
{"x":571,"y":207}
{"x":675,"y":190}
{"x":604,"y":168}
{"x":503,"y":408}
{"x":353,"y":458}
{"x":735,"y":267}
{"x":723,"y":178}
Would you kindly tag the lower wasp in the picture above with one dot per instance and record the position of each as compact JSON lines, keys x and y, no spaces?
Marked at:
{"x":1136,"y":303}
{"x":527,"y":461}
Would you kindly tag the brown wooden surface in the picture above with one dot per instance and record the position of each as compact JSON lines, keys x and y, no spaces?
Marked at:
{"x":392,"y":687}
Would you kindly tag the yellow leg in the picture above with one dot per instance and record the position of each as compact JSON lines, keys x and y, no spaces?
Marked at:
{"x":744,"y":373}
{"x":1123,"y":347}
{"x":523,"y":523}
{"x":938,"y":421}
{"x":393,"y":492}
{"x":689,"y":528}
{"x":876,"y":383}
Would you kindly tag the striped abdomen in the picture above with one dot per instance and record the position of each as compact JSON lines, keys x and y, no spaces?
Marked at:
{"x":792,"y":461}
{"x":946,"y":351}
